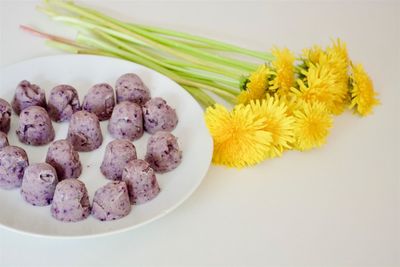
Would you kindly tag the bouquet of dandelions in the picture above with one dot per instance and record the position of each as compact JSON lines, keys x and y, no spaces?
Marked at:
{"x":284,"y":102}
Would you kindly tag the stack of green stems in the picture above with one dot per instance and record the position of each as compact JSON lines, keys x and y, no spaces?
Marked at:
{"x":196,"y":63}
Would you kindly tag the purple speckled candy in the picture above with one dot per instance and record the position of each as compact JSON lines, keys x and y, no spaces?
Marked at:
{"x":63,"y":157}
{"x":26,"y":95}
{"x":5,"y":116}
{"x":100,"y":101}
{"x":141,"y":181}
{"x":159,"y":116}
{"x":126,"y":121}
{"x":3,"y":140}
{"x":70,"y":201}
{"x":39,"y":184}
{"x":35,"y":126}
{"x":111,"y":201}
{"x":63,"y":102}
{"x":118,"y":154}
{"x":129,"y":87}
{"x":13,"y":161}
{"x":84,"y":131}
{"x":163,"y":152}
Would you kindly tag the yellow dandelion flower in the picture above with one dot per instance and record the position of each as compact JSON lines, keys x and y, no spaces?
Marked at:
{"x":283,"y":71}
{"x":338,"y":75}
{"x":312,"y":55}
{"x":363,"y":95}
{"x":239,"y":136}
{"x":335,"y":61}
{"x":320,"y":84}
{"x":293,"y":103}
{"x":256,"y":87}
{"x":278,"y":123}
{"x":338,"y":61}
{"x":311,"y":127}
{"x":339,"y":48}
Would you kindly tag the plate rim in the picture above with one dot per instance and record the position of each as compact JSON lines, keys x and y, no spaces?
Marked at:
{"x":141,"y":224}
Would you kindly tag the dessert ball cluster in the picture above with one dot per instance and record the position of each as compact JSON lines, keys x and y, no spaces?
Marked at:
{"x":130,"y":112}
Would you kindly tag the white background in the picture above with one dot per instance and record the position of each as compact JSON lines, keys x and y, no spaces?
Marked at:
{"x":336,"y":206}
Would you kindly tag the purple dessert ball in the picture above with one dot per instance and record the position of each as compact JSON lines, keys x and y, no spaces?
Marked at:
{"x":70,"y":201}
{"x":63,"y":102}
{"x":163,"y":153}
{"x":129,"y":87}
{"x":13,"y":161}
{"x":26,"y":95}
{"x":118,"y":154}
{"x":126,"y":121}
{"x":65,"y":160}
{"x":100,"y":101}
{"x":159,"y":116}
{"x":35,"y":126}
{"x":3,"y":140}
{"x":111,"y":202}
{"x":5,"y":116}
{"x":39,"y":184}
{"x":141,"y":181}
{"x":84,"y":131}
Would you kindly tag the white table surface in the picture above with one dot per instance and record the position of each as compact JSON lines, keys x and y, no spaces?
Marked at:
{"x":336,"y":206}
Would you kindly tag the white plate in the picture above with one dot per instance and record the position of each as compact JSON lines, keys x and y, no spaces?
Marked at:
{"x":81,"y":72}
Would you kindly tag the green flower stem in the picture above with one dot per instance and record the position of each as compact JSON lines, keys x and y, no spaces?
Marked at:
{"x":86,"y":45}
{"x":210,"y":43}
{"x":229,"y":94}
{"x":229,"y":99}
{"x":107,"y":26}
{"x":86,"y":40}
{"x":201,"y":59}
{"x":188,"y":41}
{"x":229,"y":78}
{"x":197,"y":44}
{"x":76,"y":50}
{"x":204,"y":99}
{"x":195,"y":76}
{"x":194,"y":51}
{"x":210,"y":83}
{"x":189,"y":73}
{"x":130,"y":38}
{"x":63,"y":46}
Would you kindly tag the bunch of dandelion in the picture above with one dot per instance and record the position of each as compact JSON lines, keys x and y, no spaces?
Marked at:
{"x":280,"y":101}
{"x":299,"y":100}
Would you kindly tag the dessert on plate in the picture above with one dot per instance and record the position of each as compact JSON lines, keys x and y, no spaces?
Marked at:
{"x":3,"y":140}
{"x":111,"y":202}
{"x":141,"y":181}
{"x":126,"y":121}
{"x":84,"y":131}
{"x":26,"y":95}
{"x":129,"y":87}
{"x":5,"y":116}
{"x":35,"y":127}
{"x":13,"y":161}
{"x":65,"y":160}
{"x":70,"y":201}
{"x":100,"y":101}
{"x":63,"y":102}
{"x":163,"y":153}
{"x":118,"y":153}
{"x":39,"y":184}
{"x":159,"y":116}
